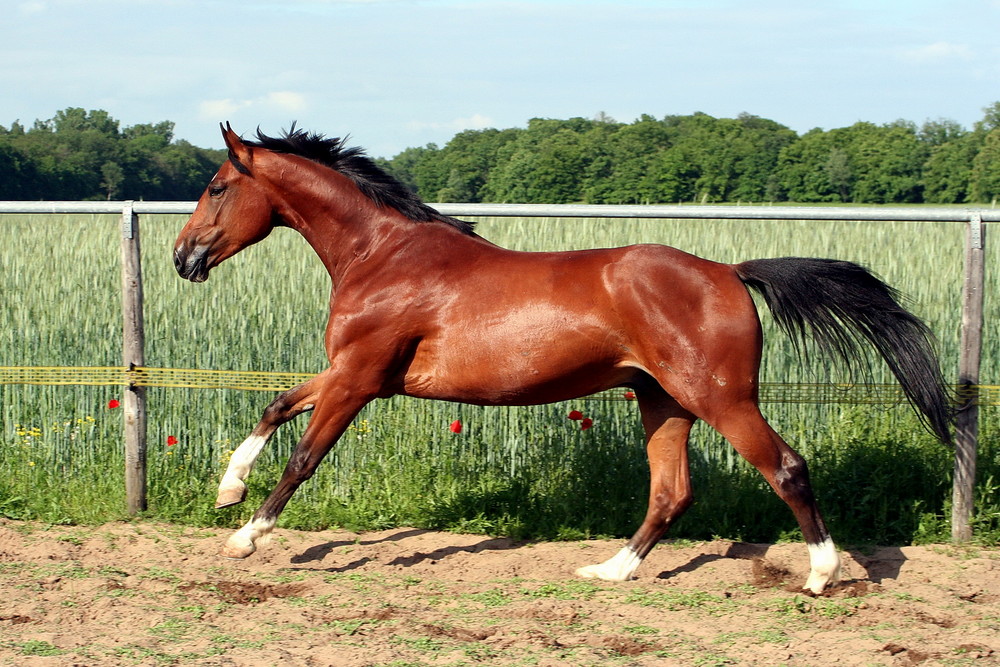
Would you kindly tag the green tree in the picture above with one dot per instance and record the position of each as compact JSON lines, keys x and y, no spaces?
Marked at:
{"x":886,"y":161}
{"x":672,"y":176}
{"x":18,"y":176}
{"x":985,"y":176}
{"x":800,"y":173}
{"x":763,"y":142}
{"x":543,"y":164}
{"x":407,"y":167}
{"x":186,"y":170}
{"x":838,"y":172}
{"x":947,"y":173}
{"x":620,"y":160}
{"x":469,"y":159}
{"x":112,"y":177}
{"x":941,"y":131}
{"x":863,"y":163}
{"x":991,"y":119}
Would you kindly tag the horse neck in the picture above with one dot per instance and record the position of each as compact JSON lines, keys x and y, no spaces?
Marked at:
{"x":335,"y":218}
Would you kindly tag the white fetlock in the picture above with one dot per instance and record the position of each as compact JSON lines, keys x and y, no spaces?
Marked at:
{"x":232,"y":489}
{"x":242,"y":543}
{"x":619,"y":568}
{"x":824,"y":564}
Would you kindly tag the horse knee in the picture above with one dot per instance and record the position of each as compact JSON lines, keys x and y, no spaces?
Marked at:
{"x":278,"y":412}
{"x":274,"y":412}
{"x":287,"y":406}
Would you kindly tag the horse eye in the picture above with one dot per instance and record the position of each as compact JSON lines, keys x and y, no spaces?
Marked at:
{"x":216,"y":190}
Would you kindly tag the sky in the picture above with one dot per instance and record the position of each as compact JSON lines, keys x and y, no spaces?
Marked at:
{"x":395,"y":74}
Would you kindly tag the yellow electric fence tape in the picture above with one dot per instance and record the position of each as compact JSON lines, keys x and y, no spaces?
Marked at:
{"x":151,"y":377}
{"x":770,"y":392}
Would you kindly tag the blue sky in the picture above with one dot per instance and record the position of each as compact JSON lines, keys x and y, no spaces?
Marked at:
{"x":401,"y":73}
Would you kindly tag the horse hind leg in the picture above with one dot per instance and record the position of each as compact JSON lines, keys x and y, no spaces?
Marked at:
{"x":285,"y":407}
{"x":667,"y":427}
{"x":787,"y":473}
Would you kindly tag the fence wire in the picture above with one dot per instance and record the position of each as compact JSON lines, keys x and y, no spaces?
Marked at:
{"x":143,"y":376}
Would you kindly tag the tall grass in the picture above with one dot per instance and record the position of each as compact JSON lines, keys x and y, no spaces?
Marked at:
{"x":520,"y":471}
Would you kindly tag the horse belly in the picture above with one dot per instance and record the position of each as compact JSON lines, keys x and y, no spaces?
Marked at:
{"x":517,"y":363}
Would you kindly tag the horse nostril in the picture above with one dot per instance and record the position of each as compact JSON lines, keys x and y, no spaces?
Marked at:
{"x":178,"y":261}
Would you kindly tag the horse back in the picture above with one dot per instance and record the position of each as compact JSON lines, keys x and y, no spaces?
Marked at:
{"x":510,"y":328}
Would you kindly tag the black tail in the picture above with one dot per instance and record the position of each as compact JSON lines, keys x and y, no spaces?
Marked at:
{"x":839,"y":303}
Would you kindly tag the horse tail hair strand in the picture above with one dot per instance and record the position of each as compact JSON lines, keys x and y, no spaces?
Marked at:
{"x":836,"y":304}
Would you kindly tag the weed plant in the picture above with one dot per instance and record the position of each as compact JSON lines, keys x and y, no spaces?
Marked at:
{"x":525,"y":472}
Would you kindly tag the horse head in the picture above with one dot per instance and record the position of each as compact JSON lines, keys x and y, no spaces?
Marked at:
{"x":234,"y":212}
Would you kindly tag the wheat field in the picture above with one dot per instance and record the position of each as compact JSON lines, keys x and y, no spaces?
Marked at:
{"x":517,"y":471}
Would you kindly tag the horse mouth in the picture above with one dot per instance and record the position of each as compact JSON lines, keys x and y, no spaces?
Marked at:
{"x":192,"y":266}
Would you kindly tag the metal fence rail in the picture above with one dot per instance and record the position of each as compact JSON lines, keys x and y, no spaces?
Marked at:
{"x":655,"y":211}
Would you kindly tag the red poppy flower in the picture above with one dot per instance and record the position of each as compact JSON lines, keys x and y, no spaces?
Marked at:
{"x":629,"y":395}
{"x":113,"y":403}
{"x":586,"y":423}
{"x":456,"y":426}
{"x":575,"y":415}
{"x":171,"y":441}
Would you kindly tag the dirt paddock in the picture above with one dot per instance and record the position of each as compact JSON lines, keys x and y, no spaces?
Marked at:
{"x":154,"y":594}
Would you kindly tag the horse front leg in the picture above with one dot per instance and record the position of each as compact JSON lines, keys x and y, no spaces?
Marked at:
{"x":334,"y":411}
{"x":667,"y":426}
{"x":284,"y":408}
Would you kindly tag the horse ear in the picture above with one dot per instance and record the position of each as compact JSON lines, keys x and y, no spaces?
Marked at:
{"x":239,"y":153}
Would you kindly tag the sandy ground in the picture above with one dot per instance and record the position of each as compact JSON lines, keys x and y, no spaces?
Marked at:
{"x":154,"y":594}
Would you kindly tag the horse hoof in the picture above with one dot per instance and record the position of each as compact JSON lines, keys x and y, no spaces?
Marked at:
{"x":816,"y":585}
{"x":230,"y":496}
{"x":229,"y":499}
{"x":598,"y":572}
{"x":619,"y":568}
{"x":236,"y":551}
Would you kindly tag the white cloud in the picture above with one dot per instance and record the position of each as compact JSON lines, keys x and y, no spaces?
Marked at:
{"x":32,"y":7}
{"x":936,"y":52}
{"x":282,"y":100}
{"x":215,"y":109}
{"x":285,"y":101}
{"x":474,"y":122}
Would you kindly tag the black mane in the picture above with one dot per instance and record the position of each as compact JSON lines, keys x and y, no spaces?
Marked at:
{"x":371,"y":179}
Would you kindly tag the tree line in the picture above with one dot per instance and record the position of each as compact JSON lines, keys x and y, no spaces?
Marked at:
{"x":80,"y":155}
{"x":84,"y":155}
{"x":699,"y":158}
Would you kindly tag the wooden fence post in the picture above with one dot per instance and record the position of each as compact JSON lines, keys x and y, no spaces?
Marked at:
{"x":970,"y":350}
{"x":133,"y":354}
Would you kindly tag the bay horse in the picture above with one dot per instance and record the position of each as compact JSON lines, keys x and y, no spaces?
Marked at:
{"x":423,"y":306}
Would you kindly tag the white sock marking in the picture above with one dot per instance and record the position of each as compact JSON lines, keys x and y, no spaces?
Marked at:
{"x":243,"y":542}
{"x":824,"y":564}
{"x":241,"y":462}
{"x":620,"y":567}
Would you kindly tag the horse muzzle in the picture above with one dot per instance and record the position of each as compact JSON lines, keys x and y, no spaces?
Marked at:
{"x":192,"y":264}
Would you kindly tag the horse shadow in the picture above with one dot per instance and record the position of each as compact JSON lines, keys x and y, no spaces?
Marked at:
{"x":737,"y":550}
{"x":878,"y":564}
{"x":317,"y":554}
{"x":881,"y":563}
